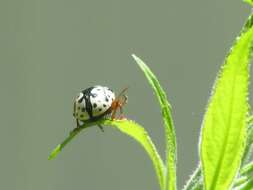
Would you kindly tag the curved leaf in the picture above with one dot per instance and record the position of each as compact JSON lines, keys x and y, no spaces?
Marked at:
{"x":140,"y":134}
{"x":130,"y":128}
{"x":224,"y":125}
{"x":170,"y":135}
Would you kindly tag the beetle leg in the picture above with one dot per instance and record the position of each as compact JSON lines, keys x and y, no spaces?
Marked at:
{"x":101,"y":127}
{"x":124,"y":100}
{"x":121,"y":114}
{"x":114,"y":113}
{"x":77,"y":124}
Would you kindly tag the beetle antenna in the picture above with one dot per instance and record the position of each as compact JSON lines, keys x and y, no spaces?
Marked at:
{"x":122,"y":92}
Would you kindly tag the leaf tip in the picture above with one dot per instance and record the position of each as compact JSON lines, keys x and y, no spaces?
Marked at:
{"x":134,"y":56}
{"x":138,"y":61}
{"x":54,"y":152}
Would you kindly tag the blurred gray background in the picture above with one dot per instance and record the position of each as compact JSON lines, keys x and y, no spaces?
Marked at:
{"x":52,"y":49}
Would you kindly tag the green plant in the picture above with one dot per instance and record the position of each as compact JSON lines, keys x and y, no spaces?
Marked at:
{"x":227,"y":130}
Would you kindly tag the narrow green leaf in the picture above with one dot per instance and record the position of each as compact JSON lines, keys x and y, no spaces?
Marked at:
{"x":195,"y":179}
{"x":249,"y":141}
{"x":139,"y":134}
{"x":171,"y":149}
{"x":239,"y":181}
{"x":225,"y":122}
{"x":247,"y":169}
{"x":72,"y":134}
{"x":248,"y":185}
{"x":130,"y":128}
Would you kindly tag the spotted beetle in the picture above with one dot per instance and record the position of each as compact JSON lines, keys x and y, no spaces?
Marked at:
{"x":98,"y":102}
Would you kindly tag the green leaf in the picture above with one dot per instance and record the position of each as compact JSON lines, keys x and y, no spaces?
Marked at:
{"x":247,"y":185}
{"x":139,"y":134}
{"x":249,"y":141}
{"x":247,"y":169}
{"x":171,"y":149}
{"x":72,"y":134}
{"x":225,"y":122}
{"x":239,"y":181}
{"x":195,"y":179}
{"x":249,"y":2}
{"x":130,"y":128}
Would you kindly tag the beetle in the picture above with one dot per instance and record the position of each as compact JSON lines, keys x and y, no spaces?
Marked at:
{"x":97,"y":102}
